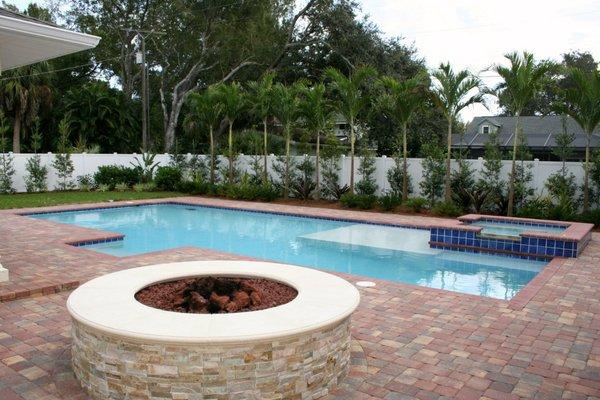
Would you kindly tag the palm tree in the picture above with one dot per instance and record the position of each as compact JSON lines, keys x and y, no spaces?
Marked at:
{"x":350,"y":101}
{"x":205,"y":109}
{"x":318,"y":114}
{"x":22,"y":92}
{"x":452,"y":93}
{"x":522,"y":81}
{"x":400,"y":100}
{"x":231,"y":98}
{"x":286,"y":108}
{"x":582,"y":103}
{"x":262,"y":108}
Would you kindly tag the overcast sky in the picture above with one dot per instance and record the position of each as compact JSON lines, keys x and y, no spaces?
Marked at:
{"x":476,"y":34}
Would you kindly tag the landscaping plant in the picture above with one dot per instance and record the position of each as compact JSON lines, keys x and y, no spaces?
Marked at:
{"x":348,"y":92}
{"x":521,"y":82}
{"x":63,"y":164}
{"x":35,"y":180}
{"x":330,"y":168}
{"x":7,"y":169}
{"x":432,"y":184}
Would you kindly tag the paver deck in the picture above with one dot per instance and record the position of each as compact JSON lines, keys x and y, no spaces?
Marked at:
{"x":409,"y":341}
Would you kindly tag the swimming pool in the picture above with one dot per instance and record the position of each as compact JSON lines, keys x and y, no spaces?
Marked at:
{"x":384,"y":252}
{"x":500,"y":228}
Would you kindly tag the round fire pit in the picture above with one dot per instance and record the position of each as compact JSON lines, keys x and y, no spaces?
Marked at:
{"x":125,"y":349}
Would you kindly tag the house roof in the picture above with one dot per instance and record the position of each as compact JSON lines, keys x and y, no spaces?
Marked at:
{"x":25,"y":40}
{"x":540,"y":132}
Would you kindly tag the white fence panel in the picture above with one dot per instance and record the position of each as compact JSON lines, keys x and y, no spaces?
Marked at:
{"x":88,"y":164}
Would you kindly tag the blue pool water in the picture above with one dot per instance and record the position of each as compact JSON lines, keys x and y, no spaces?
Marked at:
{"x":512,"y":229}
{"x":396,"y":254}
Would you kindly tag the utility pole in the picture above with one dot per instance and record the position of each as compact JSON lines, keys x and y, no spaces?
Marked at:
{"x":140,"y":40}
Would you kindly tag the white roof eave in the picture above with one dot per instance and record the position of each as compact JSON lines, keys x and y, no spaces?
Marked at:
{"x":66,"y":41}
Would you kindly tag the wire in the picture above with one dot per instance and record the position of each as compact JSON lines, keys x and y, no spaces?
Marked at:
{"x":58,"y":70}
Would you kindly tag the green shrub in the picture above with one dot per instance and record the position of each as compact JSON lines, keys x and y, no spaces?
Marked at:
{"x":535,"y":208}
{"x":446,"y":209}
{"x":390,"y":201}
{"x":144,"y":187}
{"x":416,"y":204}
{"x":362,"y":201}
{"x":198,"y":187}
{"x":591,"y":217}
{"x":121,"y":187}
{"x":168,"y":178}
{"x":103,"y":188}
{"x":244,"y":191}
{"x":85,"y":183}
{"x":112,"y":175}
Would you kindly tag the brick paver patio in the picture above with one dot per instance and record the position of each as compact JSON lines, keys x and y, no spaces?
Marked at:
{"x":409,"y":341}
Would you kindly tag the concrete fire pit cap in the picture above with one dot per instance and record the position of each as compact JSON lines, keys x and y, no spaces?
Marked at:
{"x":108,"y":305}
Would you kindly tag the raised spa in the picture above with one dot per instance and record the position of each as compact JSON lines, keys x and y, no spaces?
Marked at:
{"x":124,"y":349}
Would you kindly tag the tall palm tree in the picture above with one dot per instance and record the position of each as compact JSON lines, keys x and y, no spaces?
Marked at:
{"x":207,"y":110}
{"x":317,"y":112}
{"x":286,"y":108}
{"x":351,"y":100}
{"x":261,"y":92}
{"x":400,"y":101}
{"x":453,"y":91}
{"x":582,"y":103}
{"x":521,"y":82}
{"x":233,"y":103}
{"x":23,"y":91}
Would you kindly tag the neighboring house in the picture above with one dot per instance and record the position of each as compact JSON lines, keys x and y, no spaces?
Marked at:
{"x":539,"y":133}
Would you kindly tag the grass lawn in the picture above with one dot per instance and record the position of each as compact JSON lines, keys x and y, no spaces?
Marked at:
{"x":24,"y":200}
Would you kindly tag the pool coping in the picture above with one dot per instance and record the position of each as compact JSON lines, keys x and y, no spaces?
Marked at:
{"x":517,"y":302}
{"x":574,"y":232}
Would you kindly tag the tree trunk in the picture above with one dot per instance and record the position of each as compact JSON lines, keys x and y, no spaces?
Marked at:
{"x":286,"y":185}
{"x":447,"y":188}
{"x":230,"y":143}
{"x":318,"y":165}
{"x":513,"y":170}
{"x":17,"y":133}
{"x":352,"y":138}
{"x":586,"y":177}
{"x":404,"y":165}
{"x":265,"y":151}
{"x":212,"y":156}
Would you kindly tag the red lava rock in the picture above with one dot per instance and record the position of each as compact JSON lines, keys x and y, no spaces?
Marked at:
{"x":217,"y":302}
{"x":232,"y":307}
{"x":197,"y":303}
{"x":256,"y":298}
{"x":216,"y":295}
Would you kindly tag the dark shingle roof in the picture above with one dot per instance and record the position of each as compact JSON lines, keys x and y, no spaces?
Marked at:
{"x":11,"y":14}
{"x":539,"y":131}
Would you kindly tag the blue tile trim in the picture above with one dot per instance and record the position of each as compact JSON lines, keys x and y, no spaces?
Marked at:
{"x":97,"y":241}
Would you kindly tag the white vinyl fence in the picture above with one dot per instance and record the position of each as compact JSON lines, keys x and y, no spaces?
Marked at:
{"x":88,"y":164}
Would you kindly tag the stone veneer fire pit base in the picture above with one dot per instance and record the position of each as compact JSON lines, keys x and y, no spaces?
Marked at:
{"x":123,"y":349}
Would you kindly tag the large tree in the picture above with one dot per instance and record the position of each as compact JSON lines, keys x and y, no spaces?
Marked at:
{"x":400,"y":101}
{"x":453,"y":92}
{"x":350,"y":100}
{"x":522,"y":80}
{"x":581,"y":101}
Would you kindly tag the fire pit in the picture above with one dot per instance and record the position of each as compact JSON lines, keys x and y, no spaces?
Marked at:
{"x":200,"y":333}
